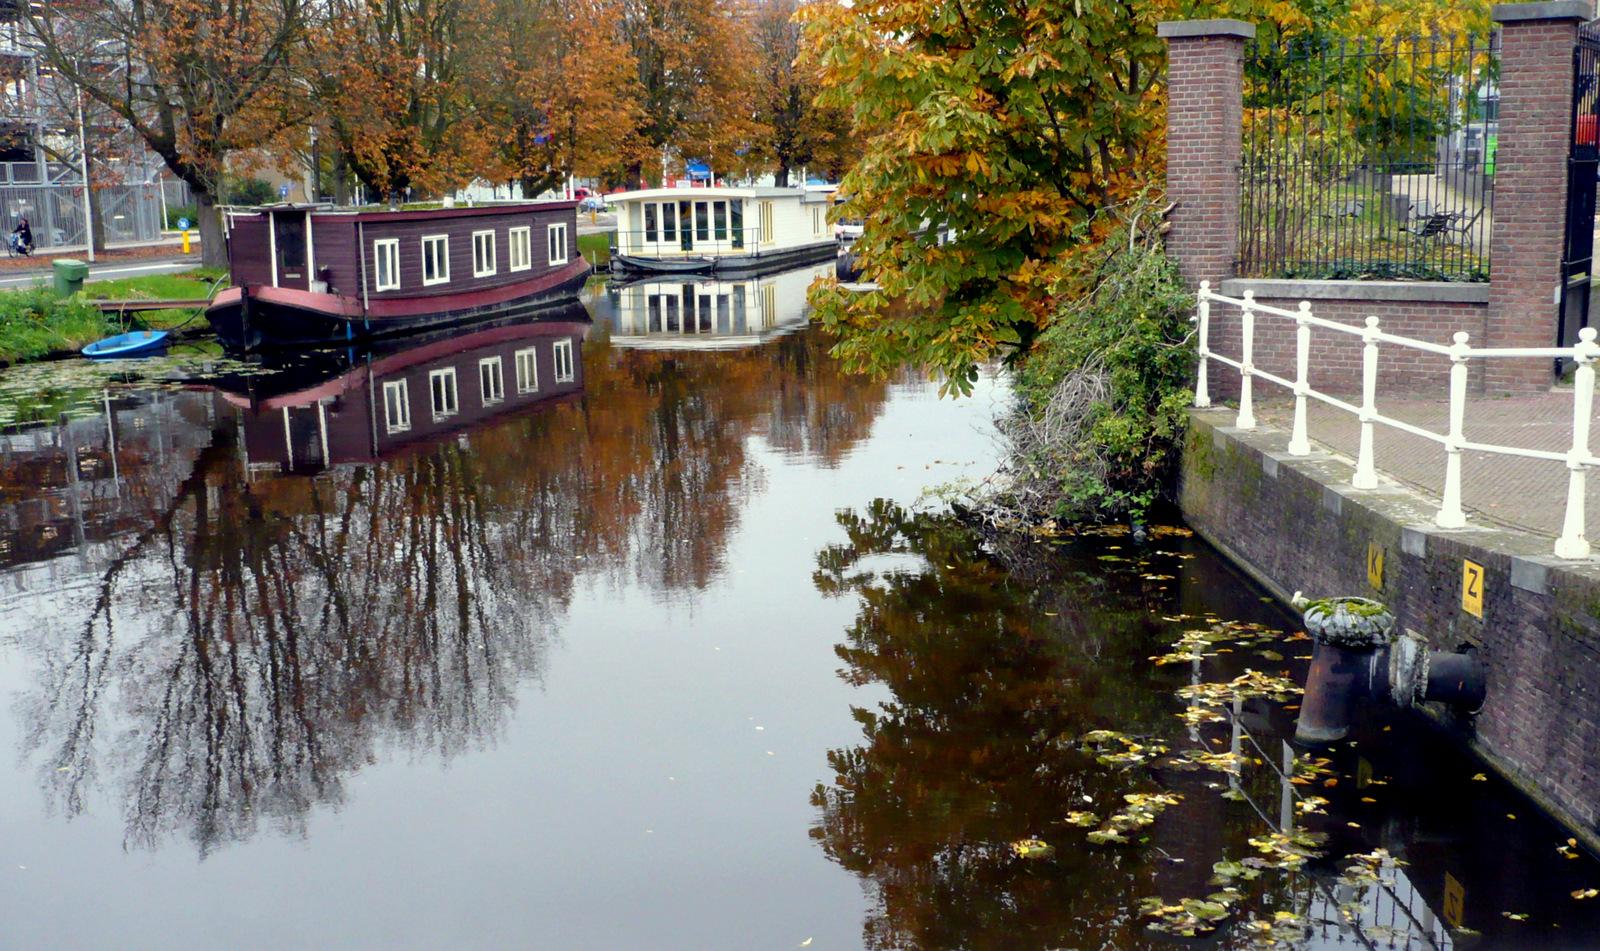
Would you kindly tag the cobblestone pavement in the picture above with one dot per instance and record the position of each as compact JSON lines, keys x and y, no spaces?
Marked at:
{"x":1529,"y":494}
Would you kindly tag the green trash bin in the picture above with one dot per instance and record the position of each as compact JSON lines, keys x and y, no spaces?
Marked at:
{"x":69,"y":275}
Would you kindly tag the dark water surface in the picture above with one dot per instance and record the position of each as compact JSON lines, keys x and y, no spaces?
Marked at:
{"x":671,"y":651}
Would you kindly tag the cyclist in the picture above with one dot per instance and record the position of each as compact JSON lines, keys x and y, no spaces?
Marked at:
{"x":22,"y":237}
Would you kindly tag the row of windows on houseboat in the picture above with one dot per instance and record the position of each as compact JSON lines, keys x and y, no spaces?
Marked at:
{"x":444,"y":399}
{"x":485,"y":258}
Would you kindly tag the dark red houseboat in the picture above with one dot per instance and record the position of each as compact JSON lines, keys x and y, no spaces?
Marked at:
{"x":313,"y":276}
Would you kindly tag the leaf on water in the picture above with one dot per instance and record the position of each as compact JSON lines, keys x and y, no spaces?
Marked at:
{"x":1032,"y":849}
{"x":1082,"y":818}
{"x":1480,"y":778}
{"x":1584,"y":894}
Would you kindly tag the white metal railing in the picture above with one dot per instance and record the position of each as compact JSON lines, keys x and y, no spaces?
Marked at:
{"x":1571,"y":543}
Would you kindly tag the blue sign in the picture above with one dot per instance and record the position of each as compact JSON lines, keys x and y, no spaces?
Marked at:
{"x":183,"y":224}
{"x":283,"y":190}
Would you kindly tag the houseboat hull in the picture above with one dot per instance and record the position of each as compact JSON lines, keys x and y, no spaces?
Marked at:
{"x":729,"y":265}
{"x":270,"y":318}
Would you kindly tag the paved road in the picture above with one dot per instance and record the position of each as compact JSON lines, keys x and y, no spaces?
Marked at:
{"x":100,"y":272}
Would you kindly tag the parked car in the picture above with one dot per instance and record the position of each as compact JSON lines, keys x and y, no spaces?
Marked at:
{"x":592,"y":203}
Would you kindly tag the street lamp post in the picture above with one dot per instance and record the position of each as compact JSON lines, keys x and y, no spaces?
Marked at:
{"x":88,"y":205}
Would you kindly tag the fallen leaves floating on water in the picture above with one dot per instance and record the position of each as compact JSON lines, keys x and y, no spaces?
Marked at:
{"x":1190,"y":916}
{"x":1141,"y":811}
{"x":1569,"y":849}
{"x":1251,"y":683}
{"x":1480,"y":778}
{"x":1032,"y":849}
{"x":1584,"y":894}
{"x":1286,"y":850}
{"x":1311,"y":805}
{"x":1203,"y":759}
{"x":1133,"y":753}
{"x":1514,"y":916}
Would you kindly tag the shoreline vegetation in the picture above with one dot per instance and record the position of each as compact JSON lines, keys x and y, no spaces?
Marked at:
{"x":35,"y":324}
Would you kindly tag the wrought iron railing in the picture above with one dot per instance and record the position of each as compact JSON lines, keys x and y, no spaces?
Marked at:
{"x":1578,"y":459}
{"x":1369,"y":158}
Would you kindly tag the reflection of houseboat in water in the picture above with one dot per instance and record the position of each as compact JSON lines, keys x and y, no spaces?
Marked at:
{"x":310,"y":276}
{"x":365,"y":405}
{"x":708,"y":314}
{"x":721,"y":230}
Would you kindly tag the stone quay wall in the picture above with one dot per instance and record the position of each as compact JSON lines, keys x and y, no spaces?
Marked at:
{"x":1295,"y":524}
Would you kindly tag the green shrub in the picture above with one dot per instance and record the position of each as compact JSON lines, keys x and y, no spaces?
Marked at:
{"x":174,"y":213}
{"x":35,"y":323}
{"x":1103,"y":393}
{"x":249,"y":191}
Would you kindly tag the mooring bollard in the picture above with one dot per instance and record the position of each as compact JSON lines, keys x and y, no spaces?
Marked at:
{"x":1358,"y":657}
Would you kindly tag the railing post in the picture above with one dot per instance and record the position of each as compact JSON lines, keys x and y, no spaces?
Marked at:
{"x":1247,"y":329}
{"x":1366,"y":471}
{"x":1450,"y":513}
{"x":1299,"y":441}
{"x":1572,"y":543}
{"x":1202,"y":393}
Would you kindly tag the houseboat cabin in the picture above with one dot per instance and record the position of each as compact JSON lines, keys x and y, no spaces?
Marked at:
{"x":721,"y":230}
{"x":711,"y":314}
{"x":380,"y":404}
{"x":312,"y":275}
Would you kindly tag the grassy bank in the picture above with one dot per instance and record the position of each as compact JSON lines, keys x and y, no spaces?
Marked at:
{"x":35,"y":324}
{"x":595,"y":248}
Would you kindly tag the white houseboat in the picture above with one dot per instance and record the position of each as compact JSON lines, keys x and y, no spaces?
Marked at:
{"x":708,"y":313}
{"x":721,"y":230}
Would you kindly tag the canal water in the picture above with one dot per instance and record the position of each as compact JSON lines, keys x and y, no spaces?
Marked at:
{"x":654,"y":632}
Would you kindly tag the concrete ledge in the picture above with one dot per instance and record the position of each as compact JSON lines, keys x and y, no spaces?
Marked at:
{"x":1185,"y":29}
{"x":1428,"y":292}
{"x":1579,"y":10}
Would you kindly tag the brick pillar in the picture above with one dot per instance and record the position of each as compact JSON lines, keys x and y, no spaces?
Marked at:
{"x":1530,"y":185}
{"x":1205,"y":77}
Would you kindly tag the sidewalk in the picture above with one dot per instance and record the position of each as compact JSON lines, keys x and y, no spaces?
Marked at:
{"x":1509,"y":491}
{"x":123,"y":251}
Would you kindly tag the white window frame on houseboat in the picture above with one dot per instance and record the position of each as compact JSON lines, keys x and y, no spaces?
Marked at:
{"x":550,"y":243}
{"x":441,"y":257}
{"x":491,"y":381}
{"x":386,"y":257}
{"x":562,"y":355}
{"x":451,"y":404}
{"x":396,"y":406}
{"x":483,"y":263}
{"x":819,"y":221}
{"x":520,"y":248}
{"x":527,"y":370}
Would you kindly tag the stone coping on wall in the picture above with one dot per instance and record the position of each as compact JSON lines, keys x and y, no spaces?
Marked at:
{"x":1432,"y":292}
{"x":1581,"y":10}
{"x":1178,"y":29}
{"x":1260,"y":505}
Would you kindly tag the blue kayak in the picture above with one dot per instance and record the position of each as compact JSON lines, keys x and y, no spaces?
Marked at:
{"x":139,"y":343}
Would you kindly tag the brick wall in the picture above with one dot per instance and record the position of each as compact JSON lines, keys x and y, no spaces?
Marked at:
{"x":1539,"y":637}
{"x":1205,"y":75}
{"x":1335,"y":357}
{"x":1530,"y":195}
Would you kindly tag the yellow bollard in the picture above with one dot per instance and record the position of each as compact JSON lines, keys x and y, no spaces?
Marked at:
{"x":186,"y":241}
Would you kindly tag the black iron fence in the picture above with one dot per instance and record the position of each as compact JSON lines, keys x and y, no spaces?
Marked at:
{"x":1368,"y":158}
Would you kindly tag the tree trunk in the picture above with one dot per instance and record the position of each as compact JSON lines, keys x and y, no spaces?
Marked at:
{"x":97,"y":212}
{"x":781,"y":179}
{"x":213,"y":253}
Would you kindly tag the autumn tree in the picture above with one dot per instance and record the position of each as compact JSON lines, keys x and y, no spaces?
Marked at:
{"x":561,"y":87}
{"x":198,"y":80}
{"x":795,"y":130}
{"x":696,"y":66}
{"x":393,"y":82}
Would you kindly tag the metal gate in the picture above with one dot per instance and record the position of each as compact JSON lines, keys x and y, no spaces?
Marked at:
{"x":1583,"y":164}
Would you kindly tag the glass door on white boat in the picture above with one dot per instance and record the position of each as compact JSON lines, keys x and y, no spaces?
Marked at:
{"x":689,"y":225}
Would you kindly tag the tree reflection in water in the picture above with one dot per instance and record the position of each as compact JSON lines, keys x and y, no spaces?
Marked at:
{"x":264,"y":638}
{"x":964,"y":758}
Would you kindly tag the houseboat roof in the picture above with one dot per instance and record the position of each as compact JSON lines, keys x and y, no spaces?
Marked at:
{"x":421,"y":214}
{"x":719,"y":191}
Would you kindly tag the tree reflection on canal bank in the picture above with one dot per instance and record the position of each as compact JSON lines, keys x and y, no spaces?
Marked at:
{"x":1002,"y":655}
